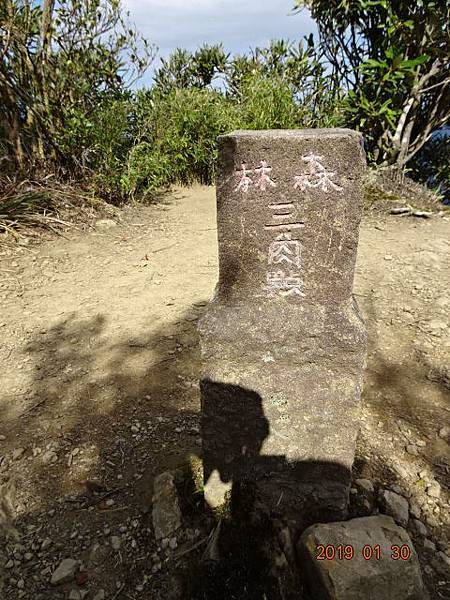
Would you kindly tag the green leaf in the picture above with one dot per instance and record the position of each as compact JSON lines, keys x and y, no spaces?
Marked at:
{"x":371,"y":63}
{"x":410,"y":64}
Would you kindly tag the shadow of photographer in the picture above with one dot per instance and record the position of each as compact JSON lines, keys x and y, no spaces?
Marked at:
{"x":264,"y":501}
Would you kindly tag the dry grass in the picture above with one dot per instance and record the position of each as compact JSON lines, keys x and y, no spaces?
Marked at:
{"x":27,"y":207}
{"x":386,"y":189}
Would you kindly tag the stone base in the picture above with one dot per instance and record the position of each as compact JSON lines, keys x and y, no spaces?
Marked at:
{"x":373,"y":576}
{"x":280,"y":406}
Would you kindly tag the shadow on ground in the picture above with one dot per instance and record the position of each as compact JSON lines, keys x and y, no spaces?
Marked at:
{"x":114,"y":413}
{"x":120,"y":414}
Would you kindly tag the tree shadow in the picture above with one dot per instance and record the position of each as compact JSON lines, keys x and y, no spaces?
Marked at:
{"x":107,"y":408}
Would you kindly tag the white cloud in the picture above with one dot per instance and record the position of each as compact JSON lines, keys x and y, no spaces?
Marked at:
{"x":238,"y":24}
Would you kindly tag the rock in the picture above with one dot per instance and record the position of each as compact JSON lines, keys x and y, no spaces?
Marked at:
{"x":365,"y":485}
{"x":105,"y":224}
{"x":17,"y":453}
{"x":444,"y":558}
{"x":414,"y":509}
{"x":429,"y":545}
{"x":166,"y":512}
{"x":77,"y":595}
{"x":395,"y":506}
{"x":439,"y":448}
{"x":432,"y":521}
{"x":401,"y":471}
{"x":173,"y":543}
{"x":437,"y":324}
{"x":396,"y":488}
{"x":98,"y":554}
{"x":419,"y":527}
{"x":100,"y":595}
{"x":115,"y":542}
{"x":444,"y":432}
{"x":434,"y":490}
{"x":49,"y":457}
{"x":357,"y":578}
{"x":156,"y":567}
{"x":411,"y":449}
{"x":46,"y":543}
{"x":65,"y":571}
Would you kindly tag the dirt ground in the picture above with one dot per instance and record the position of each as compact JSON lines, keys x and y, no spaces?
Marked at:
{"x":99,"y":366}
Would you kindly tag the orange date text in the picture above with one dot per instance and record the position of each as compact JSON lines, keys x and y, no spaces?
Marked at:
{"x":368,"y":552}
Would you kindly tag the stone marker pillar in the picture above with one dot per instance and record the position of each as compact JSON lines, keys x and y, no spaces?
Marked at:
{"x":283,"y":343}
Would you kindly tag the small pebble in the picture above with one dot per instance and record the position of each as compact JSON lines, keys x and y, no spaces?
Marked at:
{"x":115,"y":542}
{"x":17,"y":453}
{"x":434,"y":490}
{"x":46,"y":543}
{"x":444,"y":432}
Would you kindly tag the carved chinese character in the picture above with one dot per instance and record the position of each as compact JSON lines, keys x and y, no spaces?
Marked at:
{"x":263,"y":178}
{"x":317,"y":175}
{"x":286,"y":284}
{"x":245,"y":181}
{"x":284,"y":250}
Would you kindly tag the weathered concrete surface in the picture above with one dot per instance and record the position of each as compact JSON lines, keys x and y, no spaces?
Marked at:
{"x":360,"y":578}
{"x":283,"y":343}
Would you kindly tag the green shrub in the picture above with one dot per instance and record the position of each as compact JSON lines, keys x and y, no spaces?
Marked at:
{"x":268,"y":104}
{"x":176,"y":140}
{"x":110,"y":141}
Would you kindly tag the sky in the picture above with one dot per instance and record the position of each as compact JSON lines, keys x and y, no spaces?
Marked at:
{"x":238,"y":24}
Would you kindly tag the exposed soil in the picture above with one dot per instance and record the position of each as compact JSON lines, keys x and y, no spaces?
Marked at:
{"x":99,"y":366}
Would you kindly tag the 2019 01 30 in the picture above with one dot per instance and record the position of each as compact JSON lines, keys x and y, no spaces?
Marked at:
{"x":367,"y":552}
